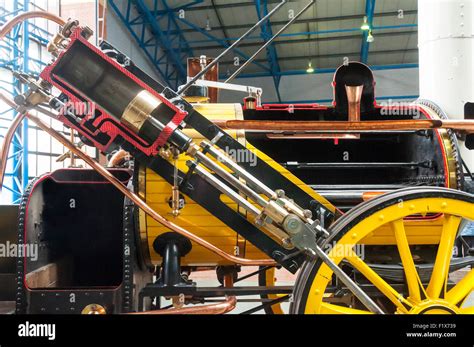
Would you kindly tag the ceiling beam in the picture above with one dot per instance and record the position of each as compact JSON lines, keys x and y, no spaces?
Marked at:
{"x":276,"y":23}
{"x":222,"y":42}
{"x":313,"y":39}
{"x":365,"y":45}
{"x":324,"y":70}
{"x":223,"y":6}
{"x":333,"y":55}
{"x":221,"y":22}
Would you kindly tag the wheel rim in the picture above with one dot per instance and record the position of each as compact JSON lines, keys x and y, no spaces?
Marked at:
{"x":432,"y":297}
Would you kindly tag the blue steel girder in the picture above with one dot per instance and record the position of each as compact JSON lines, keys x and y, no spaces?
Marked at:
{"x":369,"y":12}
{"x":266,"y":33}
{"x":150,"y":26}
{"x":179,"y":8}
{"x":222,"y":42}
{"x":318,"y":32}
{"x":325,"y":70}
{"x":15,"y":57}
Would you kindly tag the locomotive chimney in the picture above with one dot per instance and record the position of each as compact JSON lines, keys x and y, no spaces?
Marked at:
{"x":354,"y":95}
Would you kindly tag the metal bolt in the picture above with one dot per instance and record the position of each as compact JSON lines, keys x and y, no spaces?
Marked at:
{"x":280,"y":193}
{"x":292,"y":224}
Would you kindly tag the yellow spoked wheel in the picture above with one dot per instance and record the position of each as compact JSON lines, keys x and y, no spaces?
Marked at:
{"x":408,"y":221}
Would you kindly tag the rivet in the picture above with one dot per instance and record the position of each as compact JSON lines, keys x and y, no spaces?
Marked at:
{"x":317,"y":291}
{"x":354,"y":235}
{"x":381,"y":217}
{"x":444,"y":204}
{"x":411,"y":207}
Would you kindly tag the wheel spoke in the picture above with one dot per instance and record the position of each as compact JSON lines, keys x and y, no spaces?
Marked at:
{"x":461,"y":289}
{"x":327,"y":308}
{"x":411,"y":274}
{"x":394,"y":296}
{"x":440,"y":272}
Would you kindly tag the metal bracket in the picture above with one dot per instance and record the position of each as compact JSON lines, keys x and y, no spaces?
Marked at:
{"x":253,"y":91}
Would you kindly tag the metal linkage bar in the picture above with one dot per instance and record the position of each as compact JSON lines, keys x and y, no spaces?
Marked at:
{"x":225,"y":189}
{"x":244,"y":290}
{"x":231,"y":179}
{"x":356,"y":165}
{"x":272,"y":55}
{"x":249,"y":179}
{"x":269,"y":41}
{"x":267,"y":304}
{"x":350,"y":284}
{"x":231,"y":47}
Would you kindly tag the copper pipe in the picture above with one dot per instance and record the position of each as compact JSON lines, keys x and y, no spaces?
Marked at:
{"x":370,"y":195}
{"x":8,"y":26}
{"x":5,"y":148}
{"x":218,"y":308}
{"x":465,"y":126}
{"x":354,"y":95}
{"x":345,"y":126}
{"x":134,"y":197}
{"x":310,"y":136}
{"x":4,"y":30}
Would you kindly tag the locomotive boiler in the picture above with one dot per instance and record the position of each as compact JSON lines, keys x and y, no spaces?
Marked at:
{"x":225,"y":186}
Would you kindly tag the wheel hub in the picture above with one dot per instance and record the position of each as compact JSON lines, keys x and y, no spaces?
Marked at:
{"x":434,"y":307}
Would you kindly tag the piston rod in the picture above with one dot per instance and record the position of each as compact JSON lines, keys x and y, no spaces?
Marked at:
{"x":238,"y":199}
{"x":254,"y":182}
{"x":231,"y":179}
{"x":237,"y":169}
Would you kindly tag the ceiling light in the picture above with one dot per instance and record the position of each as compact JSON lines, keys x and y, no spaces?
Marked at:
{"x":310,"y":68}
{"x":365,"y":25}
{"x":370,"y":37}
{"x":208,"y":25}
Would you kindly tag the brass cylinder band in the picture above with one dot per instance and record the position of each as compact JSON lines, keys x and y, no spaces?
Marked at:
{"x":138,"y":111}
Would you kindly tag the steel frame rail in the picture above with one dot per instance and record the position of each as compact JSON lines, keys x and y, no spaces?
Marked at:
{"x":14,"y":56}
{"x":167,"y":52}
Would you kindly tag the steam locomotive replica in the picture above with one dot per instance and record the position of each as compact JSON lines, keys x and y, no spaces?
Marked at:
{"x":195,"y":186}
